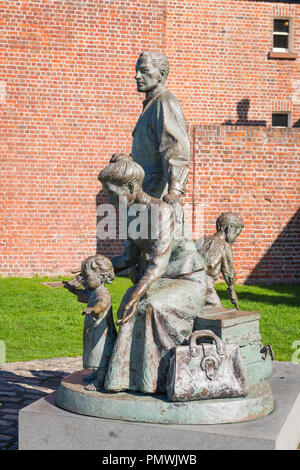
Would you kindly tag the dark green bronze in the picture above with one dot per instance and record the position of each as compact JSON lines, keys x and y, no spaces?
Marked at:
{"x":173,"y":280}
{"x":99,"y":332}
{"x":160,"y":141}
{"x":217,"y":252}
{"x":158,"y":312}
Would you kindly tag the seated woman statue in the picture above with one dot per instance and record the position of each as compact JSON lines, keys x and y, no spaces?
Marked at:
{"x":158,"y":312}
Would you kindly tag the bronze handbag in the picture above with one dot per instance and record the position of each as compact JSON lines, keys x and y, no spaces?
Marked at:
{"x":206,"y":371}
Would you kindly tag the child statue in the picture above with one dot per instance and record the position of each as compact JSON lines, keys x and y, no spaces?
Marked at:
{"x":99,"y":332}
{"x":216,"y":250}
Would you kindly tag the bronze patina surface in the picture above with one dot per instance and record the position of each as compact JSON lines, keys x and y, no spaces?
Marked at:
{"x":139,"y":407}
{"x":217,"y":251}
{"x":99,"y":332}
{"x":160,"y":142}
{"x":242,"y":328}
{"x":173,"y":290}
{"x":158,"y":312}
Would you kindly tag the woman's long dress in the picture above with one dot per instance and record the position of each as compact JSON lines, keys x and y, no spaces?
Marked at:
{"x":175,"y":271}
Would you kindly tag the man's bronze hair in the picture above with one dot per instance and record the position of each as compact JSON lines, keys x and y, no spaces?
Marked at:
{"x":159,"y":61}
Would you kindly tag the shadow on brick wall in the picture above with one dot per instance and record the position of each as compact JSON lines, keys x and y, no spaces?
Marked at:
{"x":297,"y":123}
{"x":281,"y":261}
{"x":242,"y":109}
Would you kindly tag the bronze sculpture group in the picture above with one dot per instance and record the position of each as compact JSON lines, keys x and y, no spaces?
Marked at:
{"x":173,"y":276}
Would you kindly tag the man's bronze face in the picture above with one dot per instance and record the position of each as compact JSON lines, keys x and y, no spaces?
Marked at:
{"x":147,"y":75}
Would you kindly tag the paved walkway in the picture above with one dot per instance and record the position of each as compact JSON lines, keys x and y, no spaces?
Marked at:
{"x":22,"y":383}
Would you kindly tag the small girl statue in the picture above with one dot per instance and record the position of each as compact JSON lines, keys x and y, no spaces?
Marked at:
{"x":99,"y":332}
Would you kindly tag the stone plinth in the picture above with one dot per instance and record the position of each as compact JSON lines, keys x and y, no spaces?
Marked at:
{"x":42,"y":425}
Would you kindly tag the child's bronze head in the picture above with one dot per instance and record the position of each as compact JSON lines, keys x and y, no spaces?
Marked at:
{"x":97,"y":270}
{"x":231,"y":224}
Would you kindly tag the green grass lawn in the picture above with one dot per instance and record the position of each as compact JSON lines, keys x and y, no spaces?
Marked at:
{"x":39,"y":322}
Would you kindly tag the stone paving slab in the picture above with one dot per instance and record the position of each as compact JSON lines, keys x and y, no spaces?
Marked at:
{"x":22,"y":383}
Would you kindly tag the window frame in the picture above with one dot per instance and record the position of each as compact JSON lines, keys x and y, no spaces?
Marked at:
{"x":290,"y":34}
{"x":289,"y":119}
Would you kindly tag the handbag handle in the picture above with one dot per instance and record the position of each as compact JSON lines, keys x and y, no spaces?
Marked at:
{"x":205,"y":334}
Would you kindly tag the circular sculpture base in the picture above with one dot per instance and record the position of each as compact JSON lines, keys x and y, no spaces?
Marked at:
{"x":137,"y":407}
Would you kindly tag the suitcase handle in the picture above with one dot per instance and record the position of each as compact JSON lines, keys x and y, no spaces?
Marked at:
{"x":205,"y":334}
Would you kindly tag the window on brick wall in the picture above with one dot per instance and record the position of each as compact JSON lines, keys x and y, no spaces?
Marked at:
{"x":282,"y":119}
{"x":282,"y":34}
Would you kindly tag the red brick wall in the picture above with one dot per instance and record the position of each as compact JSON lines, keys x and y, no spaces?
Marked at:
{"x":68,"y":101}
{"x":254,"y":172}
{"x":218,"y":51}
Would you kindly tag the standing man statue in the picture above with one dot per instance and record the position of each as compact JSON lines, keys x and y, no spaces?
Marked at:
{"x":160,"y":141}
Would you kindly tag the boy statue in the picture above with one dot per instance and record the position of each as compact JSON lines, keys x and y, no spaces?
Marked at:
{"x":217,"y":252}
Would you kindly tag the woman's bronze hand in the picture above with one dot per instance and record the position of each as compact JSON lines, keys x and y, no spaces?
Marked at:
{"x":130,"y":310}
